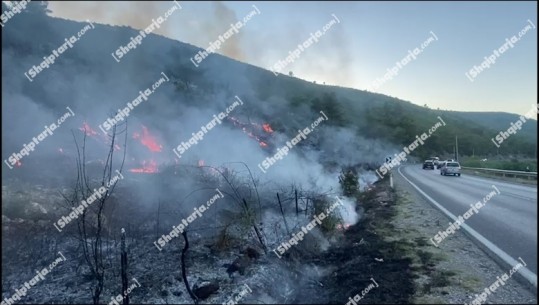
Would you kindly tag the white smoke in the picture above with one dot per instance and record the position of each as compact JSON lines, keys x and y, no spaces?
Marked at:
{"x":366,"y":178}
{"x":347,"y":211}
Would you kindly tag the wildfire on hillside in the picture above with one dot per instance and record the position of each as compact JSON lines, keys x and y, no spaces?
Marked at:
{"x":261,"y":133}
{"x":149,"y":141}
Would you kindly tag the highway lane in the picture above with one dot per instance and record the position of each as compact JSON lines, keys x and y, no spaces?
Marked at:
{"x":508,"y":220}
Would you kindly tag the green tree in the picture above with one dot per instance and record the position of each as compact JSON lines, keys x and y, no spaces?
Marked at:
{"x":331,"y":107}
{"x":38,"y":8}
{"x":349,"y":183}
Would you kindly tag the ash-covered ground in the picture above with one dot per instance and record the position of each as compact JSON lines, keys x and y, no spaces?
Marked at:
{"x":226,"y":256}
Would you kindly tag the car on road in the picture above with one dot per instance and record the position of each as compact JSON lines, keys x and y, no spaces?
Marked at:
{"x":428,"y":164}
{"x":440,"y":164}
{"x":450,"y":168}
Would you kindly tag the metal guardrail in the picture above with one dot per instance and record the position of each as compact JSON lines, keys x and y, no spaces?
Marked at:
{"x":505,"y":173}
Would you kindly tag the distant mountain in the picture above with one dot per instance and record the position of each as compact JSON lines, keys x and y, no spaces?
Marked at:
{"x":362,"y":126}
{"x":502,"y":121}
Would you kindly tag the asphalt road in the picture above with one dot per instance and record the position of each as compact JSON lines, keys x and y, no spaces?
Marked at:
{"x":508,"y":219}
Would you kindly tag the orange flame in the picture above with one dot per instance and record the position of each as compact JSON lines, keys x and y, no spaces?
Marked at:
{"x":148,"y":140}
{"x":267,"y":128}
{"x":147,"y":167}
{"x":88,"y":130}
{"x":249,"y":128}
{"x":343,"y":228}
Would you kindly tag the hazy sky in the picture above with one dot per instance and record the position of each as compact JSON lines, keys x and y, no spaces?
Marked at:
{"x":370,"y":38}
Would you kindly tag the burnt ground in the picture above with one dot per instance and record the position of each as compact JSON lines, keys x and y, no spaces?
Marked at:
{"x":365,"y":254}
{"x":318,"y":277}
{"x":309,"y":277}
{"x":389,"y":244}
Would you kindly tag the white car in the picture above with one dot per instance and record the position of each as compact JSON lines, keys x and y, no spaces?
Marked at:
{"x":450,"y":168}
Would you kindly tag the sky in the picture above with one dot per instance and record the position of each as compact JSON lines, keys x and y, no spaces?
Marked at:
{"x":367,"y":41}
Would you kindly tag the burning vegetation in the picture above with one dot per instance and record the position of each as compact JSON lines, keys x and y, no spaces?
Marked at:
{"x":261,"y":133}
{"x":111,"y":240}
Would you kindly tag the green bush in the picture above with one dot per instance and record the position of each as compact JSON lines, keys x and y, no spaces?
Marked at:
{"x":329,"y":224}
{"x":349,"y":183}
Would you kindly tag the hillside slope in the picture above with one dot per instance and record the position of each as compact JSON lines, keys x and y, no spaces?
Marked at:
{"x":92,"y":82}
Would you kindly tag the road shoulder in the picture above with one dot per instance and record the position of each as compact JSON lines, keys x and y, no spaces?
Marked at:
{"x":457,"y":270}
